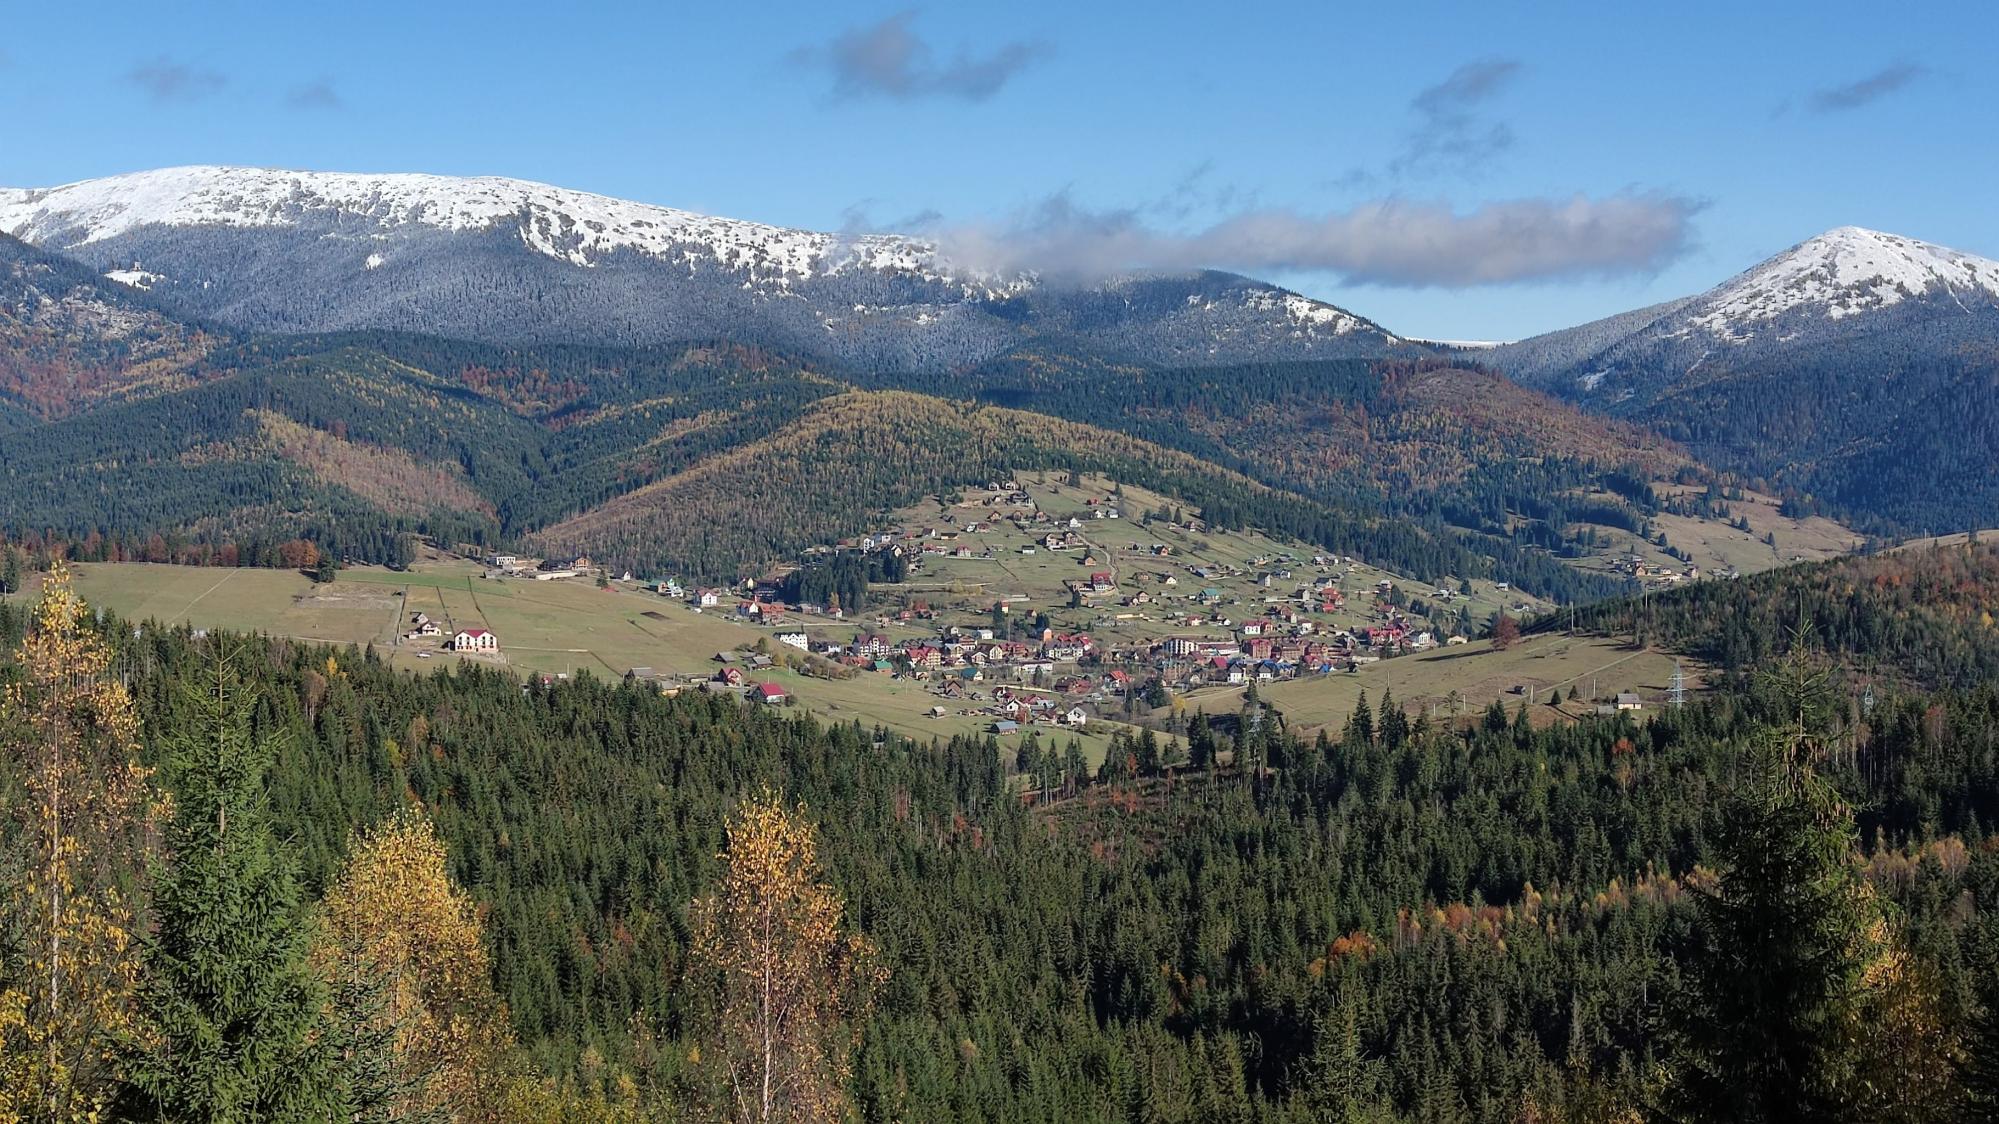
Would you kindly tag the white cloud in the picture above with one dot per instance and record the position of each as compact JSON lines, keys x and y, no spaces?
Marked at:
{"x":1392,"y":242}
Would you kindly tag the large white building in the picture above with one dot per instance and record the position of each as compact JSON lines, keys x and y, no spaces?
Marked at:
{"x":475,"y":640}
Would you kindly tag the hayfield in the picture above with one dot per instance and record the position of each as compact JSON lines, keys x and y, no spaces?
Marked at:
{"x":557,"y":627}
{"x":1464,"y":679}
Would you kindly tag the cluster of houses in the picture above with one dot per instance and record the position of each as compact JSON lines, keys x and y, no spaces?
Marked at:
{"x":1012,"y":710}
{"x":1284,"y":645}
{"x":541,"y":569}
{"x":1655,"y":573}
{"x":476,"y":640}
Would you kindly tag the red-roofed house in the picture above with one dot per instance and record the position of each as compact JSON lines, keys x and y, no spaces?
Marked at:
{"x":475,"y":640}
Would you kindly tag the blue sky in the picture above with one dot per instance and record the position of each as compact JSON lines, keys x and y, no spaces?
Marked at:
{"x":1450,"y":170}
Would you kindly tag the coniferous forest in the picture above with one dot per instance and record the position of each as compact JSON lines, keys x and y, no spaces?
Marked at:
{"x":250,"y":879}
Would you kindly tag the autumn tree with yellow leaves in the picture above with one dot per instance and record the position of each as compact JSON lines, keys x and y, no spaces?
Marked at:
{"x":791,"y":986}
{"x":71,"y":739}
{"x":396,"y":934}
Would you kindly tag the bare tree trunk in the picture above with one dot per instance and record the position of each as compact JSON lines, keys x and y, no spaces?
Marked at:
{"x":55,"y":918}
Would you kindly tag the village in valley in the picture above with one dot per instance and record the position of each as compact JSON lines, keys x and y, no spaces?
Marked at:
{"x":1065,"y":603}
{"x":1068,"y":605}
{"x":1046,"y":604}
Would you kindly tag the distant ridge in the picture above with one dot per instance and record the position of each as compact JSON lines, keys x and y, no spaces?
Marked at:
{"x":510,"y":261}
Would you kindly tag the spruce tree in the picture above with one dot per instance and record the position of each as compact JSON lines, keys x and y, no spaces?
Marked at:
{"x":1980,"y":1068}
{"x":1360,"y":727}
{"x":1394,"y":723}
{"x":1338,"y":1083}
{"x":373,"y":1084}
{"x":232,"y":1017}
{"x":1768,"y":1023}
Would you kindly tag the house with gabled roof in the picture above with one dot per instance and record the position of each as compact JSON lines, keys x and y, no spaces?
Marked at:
{"x":475,"y":640}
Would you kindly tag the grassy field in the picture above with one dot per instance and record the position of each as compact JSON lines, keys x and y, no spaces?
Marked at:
{"x":557,"y":627}
{"x":903,"y":705}
{"x":543,"y":626}
{"x":1714,"y":545}
{"x":963,"y":589}
{"x":280,"y":602}
{"x":1465,"y":679}
{"x":1958,"y":539}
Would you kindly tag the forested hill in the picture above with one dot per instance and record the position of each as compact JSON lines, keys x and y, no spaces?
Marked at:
{"x":69,"y":337}
{"x":862,"y":454}
{"x":1406,"y":923}
{"x":357,"y":440}
{"x":1923,"y":615}
{"x":136,"y":434}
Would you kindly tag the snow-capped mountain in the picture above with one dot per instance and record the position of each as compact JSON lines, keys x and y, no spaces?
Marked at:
{"x":573,"y":226}
{"x":513,"y":261}
{"x":1857,"y":366}
{"x":1847,"y":284}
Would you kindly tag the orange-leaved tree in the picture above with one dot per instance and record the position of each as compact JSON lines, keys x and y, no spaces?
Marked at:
{"x":70,"y":741}
{"x":400,"y":947}
{"x":791,"y":986}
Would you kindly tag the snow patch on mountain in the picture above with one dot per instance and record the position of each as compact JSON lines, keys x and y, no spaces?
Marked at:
{"x":1843,"y":272}
{"x":137,"y":278}
{"x":574,"y":226}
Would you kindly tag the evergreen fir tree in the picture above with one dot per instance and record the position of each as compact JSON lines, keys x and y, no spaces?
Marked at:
{"x":1768,"y":1023}
{"x":1394,"y":723}
{"x":373,"y":1085}
{"x":1980,"y":1070}
{"x":1360,"y":727}
{"x":232,"y":1017}
{"x":1340,"y":1084}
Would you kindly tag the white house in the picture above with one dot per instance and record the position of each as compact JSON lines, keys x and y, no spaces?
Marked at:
{"x":475,"y":640}
{"x":797,"y":640}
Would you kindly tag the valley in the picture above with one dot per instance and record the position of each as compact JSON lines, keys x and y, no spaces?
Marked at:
{"x":549,"y":656}
{"x":1115,"y":614}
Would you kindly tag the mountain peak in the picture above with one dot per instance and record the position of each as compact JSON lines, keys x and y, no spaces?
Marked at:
{"x":1845,"y":271}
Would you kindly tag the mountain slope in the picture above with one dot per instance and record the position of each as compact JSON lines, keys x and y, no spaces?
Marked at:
{"x":69,"y":337}
{"x":848,"y":459}
{"x":1847,"y":283}
{"x":1857,"y":367}
{"x":1921,"y":615}
{"x":510,"y":261}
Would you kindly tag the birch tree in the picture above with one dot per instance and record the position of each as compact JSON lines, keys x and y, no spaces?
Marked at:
{"x":71,"y":739}
{"x":791,"y":985}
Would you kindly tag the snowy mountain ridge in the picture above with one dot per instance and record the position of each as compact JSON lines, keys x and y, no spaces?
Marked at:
{"x":508,"y":260}
{"x":1846,"y":271}
{"x":575,"y":226}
